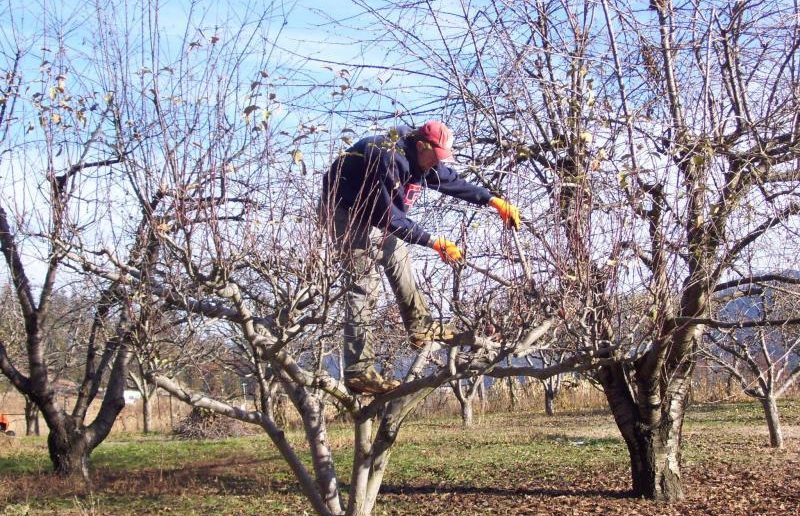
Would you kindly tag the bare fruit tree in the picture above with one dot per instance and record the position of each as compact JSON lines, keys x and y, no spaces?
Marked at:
{"x":757,"y":342}
{"x":654,"y":155}
{"x":175,"y":346}
{"x":225,"y":193}
{"x":657,"y":150}
{"x":54,"y":126}
{"x":730,"y":182}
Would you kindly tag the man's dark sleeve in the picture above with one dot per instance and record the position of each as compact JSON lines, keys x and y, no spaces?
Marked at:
{"x":406,"y":229}
{"x":387,"y":215}
{"x":447,"y":181}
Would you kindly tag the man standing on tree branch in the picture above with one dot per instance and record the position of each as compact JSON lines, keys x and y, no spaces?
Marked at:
{"x":366,"y":196}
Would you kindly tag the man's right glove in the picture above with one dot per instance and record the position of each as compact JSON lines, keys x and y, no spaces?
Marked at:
{"x":448,"y":251}
{"x":508,"y":212}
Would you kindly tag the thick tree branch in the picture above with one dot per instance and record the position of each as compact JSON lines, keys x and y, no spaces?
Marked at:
{"x":259,"y":418}
{"x":757,"y":280}
{"x":715,"y":323}
{"x":22,"y":285}
{"x":740,"y":245}
{"x":20,"y":381}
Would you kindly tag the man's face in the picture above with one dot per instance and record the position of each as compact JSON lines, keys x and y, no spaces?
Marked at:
{"x":426,"y":157}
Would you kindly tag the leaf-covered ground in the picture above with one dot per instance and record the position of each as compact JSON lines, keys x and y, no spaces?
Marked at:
{"x":507,"y":464}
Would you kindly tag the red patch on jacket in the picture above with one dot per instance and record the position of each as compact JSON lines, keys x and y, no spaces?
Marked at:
{"x":411,"y":194}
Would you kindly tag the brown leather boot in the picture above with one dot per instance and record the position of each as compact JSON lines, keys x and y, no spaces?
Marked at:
{"x":425,"y":331}
{"x":370,"y":382}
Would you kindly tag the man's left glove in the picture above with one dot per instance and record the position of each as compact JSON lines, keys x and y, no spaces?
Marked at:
{"x":508,"y":212}
{"x":448,"y":251}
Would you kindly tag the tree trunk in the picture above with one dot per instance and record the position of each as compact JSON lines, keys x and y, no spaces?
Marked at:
{"x":464,"y":397}
{"x":31,"y":417}
{"x":730,"y":382}
{"x":371,"y":459}
{"x":147,"y":410}
{"x":321,"y":456}
{"x":773,"y":421}
{"x":549,"y":398}
{"x":655,"y":463}
{"x":362,"y":465}
{"x":70,"y":441}
{"x":653,"y":449}
{"x":312,"y":410}
{"x":482,"y":395}
{"x":466,"y":411}
{"x":381,"y":451}
{"x":69,"y":449}
{"x":512,"y":395}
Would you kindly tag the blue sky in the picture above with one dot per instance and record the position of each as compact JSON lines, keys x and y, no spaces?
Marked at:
{"x":301,"y":28}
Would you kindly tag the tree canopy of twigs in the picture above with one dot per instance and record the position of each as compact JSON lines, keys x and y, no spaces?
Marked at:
{"x":653,"y":151}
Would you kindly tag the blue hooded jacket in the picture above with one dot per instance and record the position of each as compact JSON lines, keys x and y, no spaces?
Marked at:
{"x":378,"y":179}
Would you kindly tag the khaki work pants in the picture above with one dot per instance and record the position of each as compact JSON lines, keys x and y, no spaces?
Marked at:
{"x":362,"y":249}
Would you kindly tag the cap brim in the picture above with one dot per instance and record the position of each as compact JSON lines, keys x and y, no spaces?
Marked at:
{"x":443,"y":154}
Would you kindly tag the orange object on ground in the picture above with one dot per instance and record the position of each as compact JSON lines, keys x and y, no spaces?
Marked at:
{"x":4,"y":422}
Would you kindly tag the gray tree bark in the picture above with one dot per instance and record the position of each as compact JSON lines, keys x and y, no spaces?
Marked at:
{"x":147,"y":410}
{"x":772,"y":416}
{"x":549,"y":398}
{"x":312,"y":410}
{"x":31,"y":417}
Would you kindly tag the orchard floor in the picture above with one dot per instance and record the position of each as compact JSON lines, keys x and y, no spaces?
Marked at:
{"x":507,"y":464}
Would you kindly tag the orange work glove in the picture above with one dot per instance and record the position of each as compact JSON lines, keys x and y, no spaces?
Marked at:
{"x":448,"y":251}
{"x":508,"y":212}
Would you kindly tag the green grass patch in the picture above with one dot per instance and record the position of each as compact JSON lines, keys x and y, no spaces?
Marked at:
{"x":171,"y":453}
{"x":24,"y":455}
{"x":135,"y":474}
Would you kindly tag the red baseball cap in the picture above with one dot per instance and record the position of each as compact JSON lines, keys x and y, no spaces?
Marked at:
{"x":440,"y":137}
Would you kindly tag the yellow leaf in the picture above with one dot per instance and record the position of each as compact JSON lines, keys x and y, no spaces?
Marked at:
{"x":52,"y":93}
{"x":297,"y":155}
{"x":56,"y":118}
